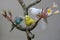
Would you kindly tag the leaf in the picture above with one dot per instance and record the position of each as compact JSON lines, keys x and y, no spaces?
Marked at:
{"x":45,"y":20}
{"x":42,"y":25}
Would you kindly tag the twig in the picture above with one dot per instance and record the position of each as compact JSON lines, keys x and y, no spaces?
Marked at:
{"x":22,"y":4}
{"x":26,"y":8}
{"x":38,"y":1}
{"x":21,"y":28}
{"x":25,"y":13}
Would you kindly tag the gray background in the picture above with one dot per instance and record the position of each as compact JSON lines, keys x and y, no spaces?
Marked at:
{"x":51,"y":33}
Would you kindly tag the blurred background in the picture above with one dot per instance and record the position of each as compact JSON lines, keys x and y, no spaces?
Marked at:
{"x":51,"y":33}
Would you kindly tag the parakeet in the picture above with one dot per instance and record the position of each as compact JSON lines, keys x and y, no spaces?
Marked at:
{"x":17,"y":21}
{"x":28,"y":20}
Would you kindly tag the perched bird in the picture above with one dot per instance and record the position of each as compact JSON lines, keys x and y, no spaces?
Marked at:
{"x":28,"y":20}
{"x":17,"y":21}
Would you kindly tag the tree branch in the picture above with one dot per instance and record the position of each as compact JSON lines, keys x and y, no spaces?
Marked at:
{"x":33,"y":4}
{"x":19,"y":27}
{"x":26,"y":8}
{"x":37,"y":1}
{"x":22,"y":4}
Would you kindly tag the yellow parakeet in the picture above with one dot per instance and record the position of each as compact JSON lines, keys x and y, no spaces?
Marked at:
{"x":28,"y":20}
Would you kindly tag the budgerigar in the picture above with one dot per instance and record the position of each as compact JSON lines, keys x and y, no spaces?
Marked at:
{"x":28,"y":20}
{"x":17,"y":21}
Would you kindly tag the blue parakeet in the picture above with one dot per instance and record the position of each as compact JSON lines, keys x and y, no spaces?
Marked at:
{"x":17,"y":21}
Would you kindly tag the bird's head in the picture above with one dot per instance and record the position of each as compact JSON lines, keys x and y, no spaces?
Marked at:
{"x":27,"y":17}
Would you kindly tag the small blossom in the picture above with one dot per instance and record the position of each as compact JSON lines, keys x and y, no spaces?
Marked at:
{"x":56,"y":12}
{"x":54,"y":5}
{"x":49,"y":11}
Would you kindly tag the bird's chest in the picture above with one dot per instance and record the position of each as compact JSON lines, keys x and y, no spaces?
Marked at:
{"x":28,"y":23}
